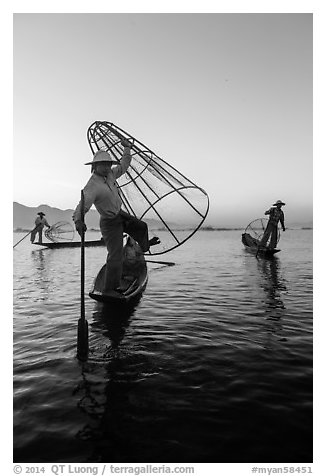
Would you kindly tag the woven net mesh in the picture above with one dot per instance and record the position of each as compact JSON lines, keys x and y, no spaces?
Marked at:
{"x":172,"y":205}
{"x":257,"y":227}
{"x":60,"y":231}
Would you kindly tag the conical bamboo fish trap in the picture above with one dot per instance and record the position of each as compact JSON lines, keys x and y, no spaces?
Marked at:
{"x":257,"y":228}
{"x":60,"y":231}
{"x":173,"y":206}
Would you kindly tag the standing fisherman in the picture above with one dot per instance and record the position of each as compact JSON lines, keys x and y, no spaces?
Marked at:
{"x":102,"y":191}
{"x":40,"y":222}
{"x":275,"y":215}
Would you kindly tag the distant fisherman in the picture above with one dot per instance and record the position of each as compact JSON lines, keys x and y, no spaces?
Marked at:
{"x":275,"y":215}
{"x":102,"y":191}
{"x":40,"y":222}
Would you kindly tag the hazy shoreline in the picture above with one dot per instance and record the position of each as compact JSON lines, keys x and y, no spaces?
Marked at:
{"x":209,"y":228}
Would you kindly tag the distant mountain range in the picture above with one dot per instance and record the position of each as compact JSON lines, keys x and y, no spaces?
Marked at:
{"x":24,"y":217}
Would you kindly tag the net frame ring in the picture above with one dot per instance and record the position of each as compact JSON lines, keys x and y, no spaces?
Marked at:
{"x":53,"y":233}
{"x":263,"y":224}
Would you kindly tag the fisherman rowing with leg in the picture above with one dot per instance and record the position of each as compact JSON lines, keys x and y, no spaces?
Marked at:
{"x":102,"y":191}
{"x":275,"y":215}
{"x":40,"y":223}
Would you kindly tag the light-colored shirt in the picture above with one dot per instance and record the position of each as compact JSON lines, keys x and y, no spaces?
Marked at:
{"x":103,"y":191}
{"x":41,"y":222}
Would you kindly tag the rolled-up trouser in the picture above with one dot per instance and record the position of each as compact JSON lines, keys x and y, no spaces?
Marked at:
{"x":112,"y":231}
{"x":271,"y":231}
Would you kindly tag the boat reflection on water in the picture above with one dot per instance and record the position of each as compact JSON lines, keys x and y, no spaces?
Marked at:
{"x":268,"y":287}
{"x":112,"y":320}
{"x":42,"y":279}
{"x":266,"y":276}
{"x":107,"y":379}
{"x":274,"y":286}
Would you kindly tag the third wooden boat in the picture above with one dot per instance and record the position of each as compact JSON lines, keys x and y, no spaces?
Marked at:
{"x":252,"y":245}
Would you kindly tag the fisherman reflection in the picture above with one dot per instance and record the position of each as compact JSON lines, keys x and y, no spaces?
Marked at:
{"x":273,"y":285}
{"x":41,"y":278}
{"x":104,"y":390}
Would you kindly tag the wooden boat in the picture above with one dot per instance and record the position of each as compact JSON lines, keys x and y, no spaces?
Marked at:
{"x":252,"y":245}
{"x":69,"y":244}
{"x":134,"y":277}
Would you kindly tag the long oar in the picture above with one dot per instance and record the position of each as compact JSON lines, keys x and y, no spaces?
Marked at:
{"x":167,"y":263}
{"x":26,"y":235}
{"x":82,"y":335}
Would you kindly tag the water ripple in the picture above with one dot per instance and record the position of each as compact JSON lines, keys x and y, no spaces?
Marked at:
{"x":216,"y":356}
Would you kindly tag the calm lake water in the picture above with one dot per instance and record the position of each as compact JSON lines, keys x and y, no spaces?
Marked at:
{"x":213,"y":365}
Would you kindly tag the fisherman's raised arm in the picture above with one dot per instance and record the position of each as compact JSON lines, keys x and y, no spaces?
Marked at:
{"x":125,"y":160}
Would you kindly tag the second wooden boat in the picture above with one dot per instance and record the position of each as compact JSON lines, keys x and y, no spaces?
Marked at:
{"x":69,"y":244}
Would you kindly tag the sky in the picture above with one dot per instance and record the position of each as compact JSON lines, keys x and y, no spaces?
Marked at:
{"x":226,"y":98}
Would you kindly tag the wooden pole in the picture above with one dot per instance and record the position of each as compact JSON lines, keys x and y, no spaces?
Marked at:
{"x":82,"y":334}
{"x":26,"y":235}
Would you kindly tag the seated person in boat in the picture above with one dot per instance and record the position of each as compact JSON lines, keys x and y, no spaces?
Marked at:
{"x":40,"y":223}
{"x":102,"y":191}
{"x":275,"y":215}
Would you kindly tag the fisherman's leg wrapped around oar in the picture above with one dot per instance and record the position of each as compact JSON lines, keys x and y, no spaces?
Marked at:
{"x":267,"y":233}
{"x":137,"y":229}
{"x":273,"y":242}
{"x":38,"y":229}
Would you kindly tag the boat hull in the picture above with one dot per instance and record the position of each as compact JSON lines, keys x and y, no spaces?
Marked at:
{"x":134,"y":278}
{"x":251,"y":245}
{"x":70,"y":244}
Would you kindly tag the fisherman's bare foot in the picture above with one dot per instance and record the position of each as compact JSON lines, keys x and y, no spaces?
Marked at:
{"x":154,"y":241}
